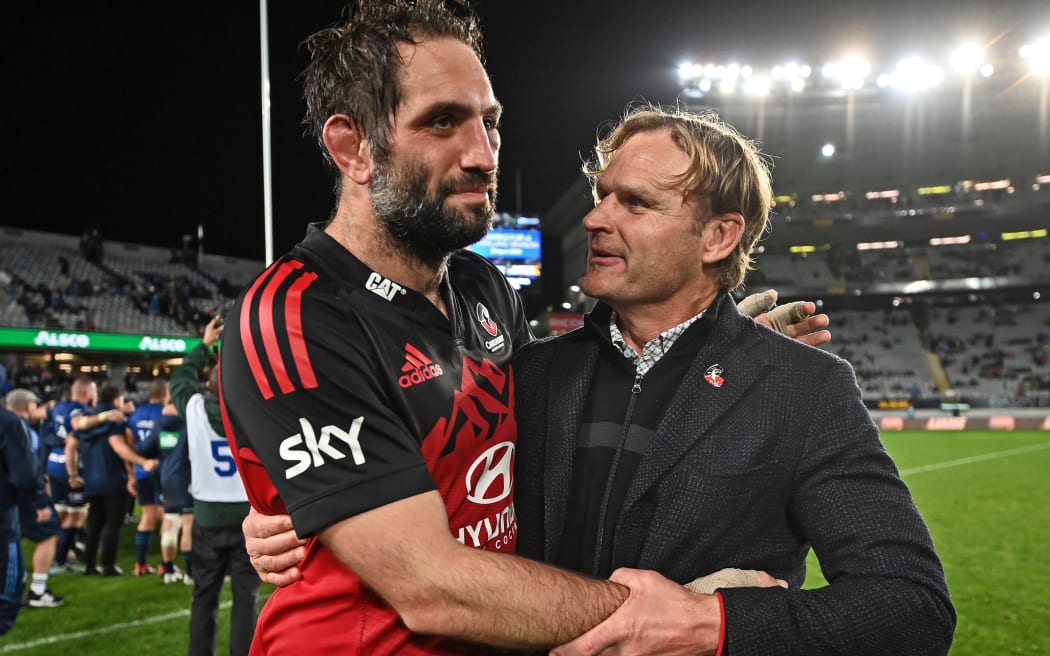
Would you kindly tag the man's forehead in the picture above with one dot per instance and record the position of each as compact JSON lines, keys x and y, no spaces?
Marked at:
{"x":648,"y":156}
{"x":443,"y":70}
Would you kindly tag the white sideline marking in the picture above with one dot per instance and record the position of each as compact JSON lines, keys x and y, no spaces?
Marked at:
{"x":972,"y":459}
{"x":50,"y":640}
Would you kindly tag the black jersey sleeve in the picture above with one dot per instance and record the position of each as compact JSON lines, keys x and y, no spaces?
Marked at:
{"x":311,"y":420}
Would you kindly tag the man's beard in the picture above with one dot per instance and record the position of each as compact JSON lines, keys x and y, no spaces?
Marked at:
{"x":424,"y":226}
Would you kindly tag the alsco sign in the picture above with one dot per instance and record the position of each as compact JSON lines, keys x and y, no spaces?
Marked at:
{"x":93,"y":341}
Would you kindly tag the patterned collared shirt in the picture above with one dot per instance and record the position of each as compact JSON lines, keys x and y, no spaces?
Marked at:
{"x":654,"y":349}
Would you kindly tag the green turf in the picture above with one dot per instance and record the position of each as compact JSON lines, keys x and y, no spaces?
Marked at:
{"x":991,"y":525}
{"x":989,"y":520}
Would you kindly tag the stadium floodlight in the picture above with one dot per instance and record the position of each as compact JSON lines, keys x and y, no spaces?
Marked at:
{"x":758,"y":86}
{"x":705,"y":84}
{"x":727,"y":85}
{"x":968,"y":59}
{"x":1038,"y":56}
{"x":828,"y":150}
{"x":987,"y":70}
{"x":798,"y":85}
{"x":853,"y":71}
{"x":914,"y":75}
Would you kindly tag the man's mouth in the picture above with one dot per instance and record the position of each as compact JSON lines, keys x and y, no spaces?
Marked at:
{"x":599,"y":255}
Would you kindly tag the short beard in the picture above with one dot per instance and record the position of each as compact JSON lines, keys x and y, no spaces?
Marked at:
{"x":421,"y":226}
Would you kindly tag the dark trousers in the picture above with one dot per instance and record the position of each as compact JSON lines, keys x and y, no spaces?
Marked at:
{"x":12,"y":579}
{"x":104,"y":521}
{"x":216,"y":551}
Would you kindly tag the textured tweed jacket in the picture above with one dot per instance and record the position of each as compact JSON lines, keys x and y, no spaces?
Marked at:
{"x":780,"y":458}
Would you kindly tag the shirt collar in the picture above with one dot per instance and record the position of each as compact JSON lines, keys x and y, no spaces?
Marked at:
{"x":654,"y":349}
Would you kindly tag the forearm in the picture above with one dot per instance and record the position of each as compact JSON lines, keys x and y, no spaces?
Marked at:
{"x":509,"y":601}
{"x":87,"y":422}
{"x":442,"y":587}
{"x":185,"y":381}
{"x":72,"y":457}
{"x":860,"y":617}
{"x":126,"y":453}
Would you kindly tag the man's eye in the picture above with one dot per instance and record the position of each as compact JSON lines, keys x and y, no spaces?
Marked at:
{"x":442,"y":122}
{"x":491,"y":123}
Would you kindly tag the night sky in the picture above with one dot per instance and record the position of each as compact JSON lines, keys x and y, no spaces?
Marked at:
{"x":142,"y":119}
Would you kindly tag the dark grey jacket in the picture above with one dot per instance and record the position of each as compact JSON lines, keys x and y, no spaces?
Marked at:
{"x":782,"y":457}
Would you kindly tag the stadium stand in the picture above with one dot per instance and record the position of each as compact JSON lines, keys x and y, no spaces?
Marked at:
{"x":52,"y":282}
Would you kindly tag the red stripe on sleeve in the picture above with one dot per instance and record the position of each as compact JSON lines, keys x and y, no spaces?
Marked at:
{"x":722,"y":629}
{"x":293,"y":323}
{"x":269,"y":335}
{"x":254,"y":363}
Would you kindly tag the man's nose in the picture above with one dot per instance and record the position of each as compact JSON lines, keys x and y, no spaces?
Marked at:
{"x":598,"y":218}
{"x":481,"y":149}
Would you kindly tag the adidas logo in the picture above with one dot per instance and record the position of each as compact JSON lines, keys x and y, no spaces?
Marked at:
{"x":418,"y":368}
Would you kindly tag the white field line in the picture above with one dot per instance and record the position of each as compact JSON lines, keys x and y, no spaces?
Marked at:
{"x":966,"y":461}
{"x":50,"y":640}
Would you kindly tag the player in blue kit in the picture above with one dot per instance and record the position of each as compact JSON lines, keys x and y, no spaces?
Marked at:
{"x":106,"y":457}
{"x":67,"y":485}
{"x":167,"y":441}
{"x":147,"y":484}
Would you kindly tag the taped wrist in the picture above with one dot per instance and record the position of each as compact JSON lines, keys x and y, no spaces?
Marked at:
{"x":730,"y":577}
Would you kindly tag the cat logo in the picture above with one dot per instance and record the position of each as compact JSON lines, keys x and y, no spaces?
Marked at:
{"x":383,"y":287}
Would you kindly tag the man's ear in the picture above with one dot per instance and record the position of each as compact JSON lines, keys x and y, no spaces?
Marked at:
{"x":721,"y":234}
{"x":348,"y":148}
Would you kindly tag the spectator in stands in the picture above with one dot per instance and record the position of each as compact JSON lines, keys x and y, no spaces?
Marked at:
{"x":141,"y":423}
{"x":107,"y":459}
{"x":220,"y":504}
{"x":41,"y":528}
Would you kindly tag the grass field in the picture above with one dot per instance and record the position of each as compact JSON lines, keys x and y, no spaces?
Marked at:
{"x":985,"y":496}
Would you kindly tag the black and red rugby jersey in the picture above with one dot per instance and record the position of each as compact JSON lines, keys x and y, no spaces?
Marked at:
{"x":343,"y":391}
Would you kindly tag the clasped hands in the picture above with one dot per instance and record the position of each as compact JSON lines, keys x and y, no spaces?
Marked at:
{"x":659,"y":616}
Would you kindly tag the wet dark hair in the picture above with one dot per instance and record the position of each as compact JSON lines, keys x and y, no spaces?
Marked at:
{"x":354,"y":65}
